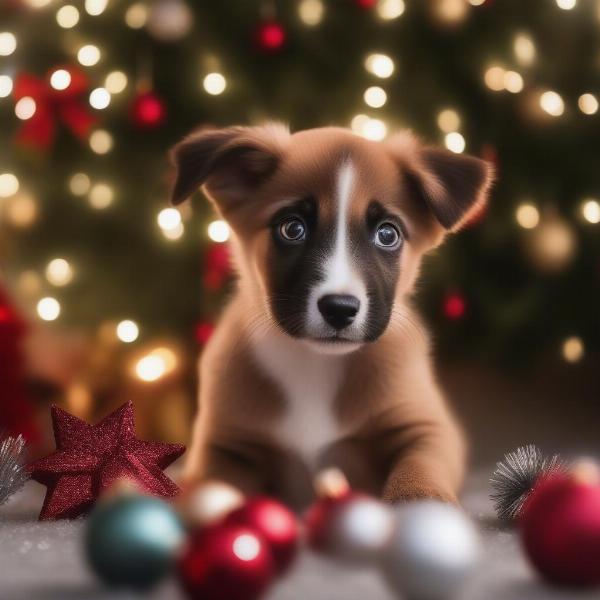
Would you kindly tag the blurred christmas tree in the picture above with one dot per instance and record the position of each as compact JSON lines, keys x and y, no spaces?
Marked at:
{"x":94,"y":92}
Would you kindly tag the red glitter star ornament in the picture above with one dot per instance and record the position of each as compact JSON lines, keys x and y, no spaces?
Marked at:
{"x":90,"y":458}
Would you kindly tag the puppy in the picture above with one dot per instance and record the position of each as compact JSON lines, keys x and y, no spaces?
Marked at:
{"x":318,"y":359}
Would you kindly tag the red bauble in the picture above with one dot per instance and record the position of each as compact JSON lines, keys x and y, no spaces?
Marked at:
{"x":320,"y":517}
{"x":560,"y":527}
{"x":277,"y":525}
{"x":148,"y":111}
{"x":271,"y":36}
{"x":454,"y":306}
{"x":366,"y":4}
{"x":226,"y":562}
{"x":204,"y":331}
{"x":217,"y":266}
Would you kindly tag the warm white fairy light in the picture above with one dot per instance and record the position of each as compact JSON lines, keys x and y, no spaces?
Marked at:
{"x":476,"y":2}
{"x":59,"y":272}
{"x":38,"y":3}
{"x":6,"y":86}
{"x":95,"y":7}
{"x":136,"y":15}
{"x":21,"y":210}
{"x":524,"y":49}
{"x":67,"y":16}
{"x":8,"y":43}
{"x":375,"y":97}
{"x":99,"y":98}
{"x":573,"y":349}
{"x":88,"y":55}
{"x":388,"y":10}
{"x":527,"y":215}
{"x":513,"y":82}
{"x":174,"y":234}
{"x":374,"y":129}
{"x":566,"y":4}
{"x":115,"y":82}
{"x":79,"y":184}
{"x":60,"y":79}
{"x":156,"y":364}
{"x":101,"y":196}
{"x":218,"y":231}
{"x":380,"y":65}
{"x":25,"y":108}
{"x":9,"y":185}
{"x":48,"y":309}
{"x":455,"y":142}
{"x":590,"y":210}
{"x":358,"y":122}
{"x":451,"y":11}
{"x":588,"y":104}
{"x":128,"y":331}
{"x":552,"y":103}
{"x":494,"y":78}
{"x":311,"y":12}
{"x":168,"y":219}
{"x":448,"y":120}
{"x":101,"y":141}
{"x":214,"y":84}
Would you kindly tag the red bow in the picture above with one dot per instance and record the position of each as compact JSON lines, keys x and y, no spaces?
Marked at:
{"x":51,"y":106}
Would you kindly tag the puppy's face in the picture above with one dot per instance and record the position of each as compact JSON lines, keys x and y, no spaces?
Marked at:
{"x":330,"y":226}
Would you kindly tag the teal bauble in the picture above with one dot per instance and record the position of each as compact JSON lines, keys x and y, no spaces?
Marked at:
{"x":131,"y":541}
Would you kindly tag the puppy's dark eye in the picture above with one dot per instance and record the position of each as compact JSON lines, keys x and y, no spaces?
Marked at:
{"x":388,"y":236}
{"x":292,"y":229}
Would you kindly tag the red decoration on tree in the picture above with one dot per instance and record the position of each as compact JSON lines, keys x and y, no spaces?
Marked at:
{"x":455,"y":306}
{"x":90,"y":458}
{"x":226,"y":561}
{"x":560,"y":526}
{"x":277,"y":525}
{"x":52,"y":106}
{"x":366,"y":4}
{"x":204,"y":332}
{"x":271,"y":36}
{"x":148,"y":111}
{"x":217,"y":266}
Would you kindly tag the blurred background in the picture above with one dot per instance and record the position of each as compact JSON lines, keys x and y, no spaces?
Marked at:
{"x":107,"y":294}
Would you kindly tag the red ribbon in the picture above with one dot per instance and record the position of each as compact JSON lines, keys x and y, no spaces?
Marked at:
{"x":53,"y":106}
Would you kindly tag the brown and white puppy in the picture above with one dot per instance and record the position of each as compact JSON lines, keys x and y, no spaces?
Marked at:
{"x":318,"y":359}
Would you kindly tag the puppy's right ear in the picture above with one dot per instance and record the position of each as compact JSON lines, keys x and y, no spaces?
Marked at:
{"x":230,"y":162}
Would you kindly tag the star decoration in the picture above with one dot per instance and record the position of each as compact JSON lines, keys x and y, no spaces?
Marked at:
{"x":90,"y":458}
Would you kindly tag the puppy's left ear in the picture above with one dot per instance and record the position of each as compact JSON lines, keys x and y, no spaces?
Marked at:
{"x":452,"y":186}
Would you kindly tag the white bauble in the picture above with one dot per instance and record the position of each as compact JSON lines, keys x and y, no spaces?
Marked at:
{"x":169,"y":20}
{"x":433,"y":550}
{"x":210,"y":502}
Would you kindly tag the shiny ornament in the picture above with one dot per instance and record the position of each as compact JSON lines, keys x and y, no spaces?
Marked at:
{"x":204,"y":331}
{"x":131,"y":541}
{"x":90,"y":458}
{"x":169,"y":20}
{"x":552,"y":245}
{"x":217,"y":266}
{"x":226,"y":562}
{"x":270,"y":36}
{"x":277,"y":525}
{"x":209,"y":502}
{"x":148,"y":111}
{"x":455,"y":306}
{"x":560,"y":526}
{"x":13,"y":474}
{"x":366,"y":4}
{"x":433,"y":550}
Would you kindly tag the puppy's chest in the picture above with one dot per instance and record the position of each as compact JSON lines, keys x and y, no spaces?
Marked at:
{"x":310,"y":384}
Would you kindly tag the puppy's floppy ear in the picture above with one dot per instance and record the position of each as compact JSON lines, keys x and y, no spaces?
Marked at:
{"x":453,"y":186}
{"x":230,"y":162}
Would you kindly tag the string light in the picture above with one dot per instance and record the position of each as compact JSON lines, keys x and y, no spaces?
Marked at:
{"x":588,"y":104}
{"x":101,"y":141}
{"x":38,"y":3}
{"x":115,"y":82}
{"x":99,"y":98}
{"x":380,"y":65}
{"x":524,"y":49}
{"x":128,"y":331}
{"x":29,"y":283}
{"x":6,"y":86}
{"x":552,"y":103}
{"x":448,"y":120}
{"x":21,"y":210}
{"x":175,"y":233}
{"x":59,"y":272}
{"x":8,"y":43}
{"x":590,"y":210}
{"x":566,"y":4}
{"x":388,"y":10}
{"x":455,"y":142}
{"x":101,"y":196}
{"x":372,"y":129}
{"x":375,"y":97}
{"x":451,"y":11}
{"x":95,"y":7}
{"x":218,"y":231}
{"x":60,"y":79}
{"x":67,"y":16}
{"x":311,"y":12}
{"x":573,"y":349}
{"x":79,"y":184}
{"x":9,"y":185}
{"x":494,"y":78}
{"x":25,"y":108}
{"x":48,"y":309}
{"x":214,"y":84}
{"x":169,"y":219}
{"x":136,"y":15}
{"x":527,"y":215}
{"x":89,"y":55}
{"x":513,"y":82}
{"x":156,"y":364}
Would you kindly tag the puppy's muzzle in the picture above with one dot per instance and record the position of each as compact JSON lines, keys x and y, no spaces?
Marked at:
{"x":338,"y":310}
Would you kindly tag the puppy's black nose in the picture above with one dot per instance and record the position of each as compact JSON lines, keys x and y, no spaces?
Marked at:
{"x":338,"y":310}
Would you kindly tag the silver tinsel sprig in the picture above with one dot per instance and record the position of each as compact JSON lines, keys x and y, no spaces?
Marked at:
{"x":13,"y":472}
{"x":515,"y":477}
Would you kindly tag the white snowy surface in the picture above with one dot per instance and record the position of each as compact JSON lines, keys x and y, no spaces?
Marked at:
{"x":44,"y":561}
